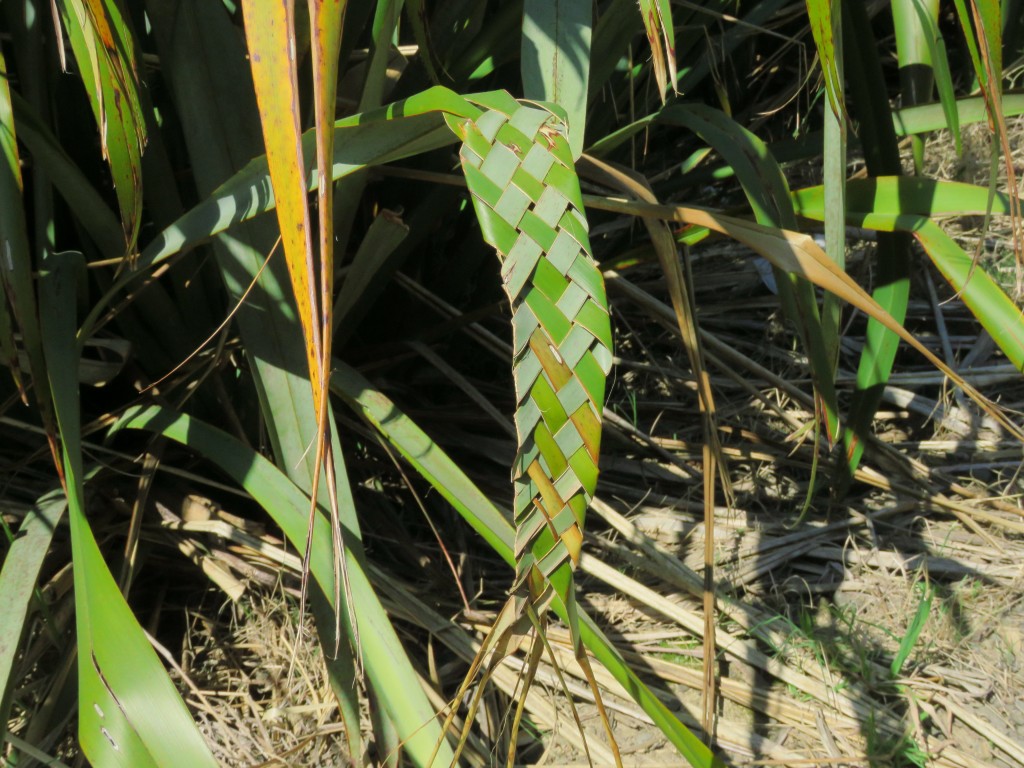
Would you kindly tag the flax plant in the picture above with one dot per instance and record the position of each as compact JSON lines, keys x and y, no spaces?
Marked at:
{"x":206,"y":210}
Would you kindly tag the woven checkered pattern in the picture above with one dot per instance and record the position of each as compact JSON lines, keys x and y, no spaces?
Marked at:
{"x":527,"y":198}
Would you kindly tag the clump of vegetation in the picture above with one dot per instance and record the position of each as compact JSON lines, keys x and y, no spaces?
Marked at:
{"x":264,"y":363}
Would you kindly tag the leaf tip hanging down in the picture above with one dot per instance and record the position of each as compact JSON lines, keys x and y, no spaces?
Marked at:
{"x":657,"y":17}
{"x":828,"y":40}
{"x":104,"y":50}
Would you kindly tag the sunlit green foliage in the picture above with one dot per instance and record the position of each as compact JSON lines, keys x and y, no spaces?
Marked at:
{"x":145,"y":144}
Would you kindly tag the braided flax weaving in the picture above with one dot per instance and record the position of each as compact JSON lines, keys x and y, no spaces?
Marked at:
{"x":520,"y":172}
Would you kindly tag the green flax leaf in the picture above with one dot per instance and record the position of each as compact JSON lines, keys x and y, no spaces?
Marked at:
{"x":556,"y":58}
{"x":130,"y":713}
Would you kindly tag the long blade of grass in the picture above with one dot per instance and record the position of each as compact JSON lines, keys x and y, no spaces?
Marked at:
{"x":932,"y":117}
{"x":387,"y":665}
{"x":326,"y":19}
{"x":905,"y":194}
{"x":715,"y":469}
{"x":130,"y":713}
{"x":270,"y":32}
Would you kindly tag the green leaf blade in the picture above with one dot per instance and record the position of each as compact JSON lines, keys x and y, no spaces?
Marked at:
{"x":130,"y":713}
{"x":555,"y":59}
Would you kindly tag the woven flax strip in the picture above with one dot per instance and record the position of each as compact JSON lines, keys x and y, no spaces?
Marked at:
{"x":527,"y":198}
